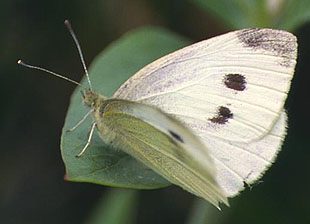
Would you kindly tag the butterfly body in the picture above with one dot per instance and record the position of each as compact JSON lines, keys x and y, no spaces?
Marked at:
{"x":208,"y":117}
{"x":157,"y":140}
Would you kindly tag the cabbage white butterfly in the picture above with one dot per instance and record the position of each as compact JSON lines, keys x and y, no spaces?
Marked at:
{"x":208,"y":117}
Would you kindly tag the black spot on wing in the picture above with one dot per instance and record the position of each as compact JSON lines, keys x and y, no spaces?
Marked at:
{"x":176,"y":136}
{"x":235,"y":82}
{"x":223,"y":114}
{"x":280,"y":43}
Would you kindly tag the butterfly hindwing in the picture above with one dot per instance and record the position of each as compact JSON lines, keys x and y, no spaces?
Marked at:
{"x":161,"y":143}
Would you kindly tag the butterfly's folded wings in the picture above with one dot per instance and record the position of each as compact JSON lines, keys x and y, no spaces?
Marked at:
{"x":230,"y":90}
{"x":162,"y":143}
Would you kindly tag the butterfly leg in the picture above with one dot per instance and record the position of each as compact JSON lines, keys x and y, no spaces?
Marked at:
{"x":91,"y":132}
{"x":80,"y":122}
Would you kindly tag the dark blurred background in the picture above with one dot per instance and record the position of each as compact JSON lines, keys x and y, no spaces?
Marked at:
{"x":33,"y":109}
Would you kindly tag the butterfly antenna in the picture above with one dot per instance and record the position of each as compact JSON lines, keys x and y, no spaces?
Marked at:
{"x":20,"y":62}
{"x":78,"y":46}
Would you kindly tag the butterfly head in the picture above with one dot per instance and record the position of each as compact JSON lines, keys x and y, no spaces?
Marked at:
{"x":90,"y":98}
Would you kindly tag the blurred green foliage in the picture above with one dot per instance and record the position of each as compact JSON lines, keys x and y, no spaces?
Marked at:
{"x":118,"y":207}
{"x":280,"y":14}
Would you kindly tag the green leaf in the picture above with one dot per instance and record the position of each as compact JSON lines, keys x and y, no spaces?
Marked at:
{"x":100,"y":163}
{"x":115,"y":207}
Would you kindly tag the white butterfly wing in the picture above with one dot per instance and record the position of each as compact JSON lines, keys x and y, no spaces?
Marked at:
{"x":240,"y":164}
{"x":230,"y":90}
{"x":244,"y":75}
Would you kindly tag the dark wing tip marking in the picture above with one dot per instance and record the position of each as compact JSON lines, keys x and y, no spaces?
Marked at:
{"x":223,"y":114}
{"x":279,"y":42}
{"x":176,"y":136}
{"x":235,"y":81}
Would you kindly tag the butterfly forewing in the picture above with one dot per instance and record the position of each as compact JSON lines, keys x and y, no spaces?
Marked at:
{"x":250,"y":81}
{"x":229,"y":90}
{"x":238,"y":163}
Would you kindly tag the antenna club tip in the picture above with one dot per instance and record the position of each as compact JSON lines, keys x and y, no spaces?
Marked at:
{"x":19,"y":62}
{"x":67,"y":23}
